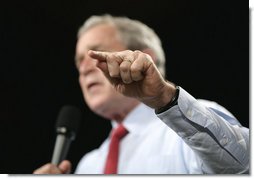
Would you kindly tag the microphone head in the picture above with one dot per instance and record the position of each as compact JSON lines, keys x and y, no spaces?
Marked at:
{"x":68,"y":120}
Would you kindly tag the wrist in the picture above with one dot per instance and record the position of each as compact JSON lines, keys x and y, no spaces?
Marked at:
{"x":169,"y":100}
{"x":165,"y":93}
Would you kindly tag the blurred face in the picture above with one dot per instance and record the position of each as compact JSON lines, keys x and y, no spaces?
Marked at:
{"x":98,"y":92}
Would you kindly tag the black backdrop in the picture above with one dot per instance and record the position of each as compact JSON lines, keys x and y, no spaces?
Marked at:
{"x":206,"y":43}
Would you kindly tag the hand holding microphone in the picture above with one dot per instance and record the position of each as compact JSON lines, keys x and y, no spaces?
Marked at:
{"x":66,"y":127}
{"x":63,"y":168}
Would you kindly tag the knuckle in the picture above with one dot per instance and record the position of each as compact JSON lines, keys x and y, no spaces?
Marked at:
{"x":134,"y":69}
{"x":126,"y":79}
{"x":113,"y":74}
{"x":148,"y":57}
{"x":128,"y":51}
{"x":137,"y":51}
{"x":124,"y":67}
{"x":113,"y":56}
{"x":49,"y":168}
{"x":143,"y":55}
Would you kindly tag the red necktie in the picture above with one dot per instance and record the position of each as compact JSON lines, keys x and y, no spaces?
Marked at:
{"x":112,"y":158}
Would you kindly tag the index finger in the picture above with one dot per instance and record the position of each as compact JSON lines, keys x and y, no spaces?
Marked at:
{"x":101,"y":56}
{"x":111,"y":60}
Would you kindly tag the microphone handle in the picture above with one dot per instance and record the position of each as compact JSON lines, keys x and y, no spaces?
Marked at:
{"x":61,"y":149}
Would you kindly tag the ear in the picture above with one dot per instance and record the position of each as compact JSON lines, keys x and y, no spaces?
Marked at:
{"x":151,"y":53}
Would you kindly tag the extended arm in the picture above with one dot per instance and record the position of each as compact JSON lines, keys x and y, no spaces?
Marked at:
{"x":221,"y":146}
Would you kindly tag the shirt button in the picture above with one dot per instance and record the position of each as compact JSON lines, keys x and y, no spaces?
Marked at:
{"x":224,"y":141}
{"x":189,"y":114}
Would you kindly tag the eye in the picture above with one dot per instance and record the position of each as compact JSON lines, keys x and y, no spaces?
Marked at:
{"x":78,"y":60}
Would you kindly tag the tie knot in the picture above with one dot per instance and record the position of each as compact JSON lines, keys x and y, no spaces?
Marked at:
{"x":120,"y":132}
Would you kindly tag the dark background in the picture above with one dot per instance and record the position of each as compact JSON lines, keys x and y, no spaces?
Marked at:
{"x":206,"y":43}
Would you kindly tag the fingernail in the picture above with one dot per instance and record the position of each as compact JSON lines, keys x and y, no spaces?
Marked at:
{"x":95,"y":52}
{"x":92,"y":51}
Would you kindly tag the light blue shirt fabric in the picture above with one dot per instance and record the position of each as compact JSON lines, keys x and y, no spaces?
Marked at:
{"x":193,"y":137}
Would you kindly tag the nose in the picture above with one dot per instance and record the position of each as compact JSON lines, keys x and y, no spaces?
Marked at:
{"x":87,"y":65}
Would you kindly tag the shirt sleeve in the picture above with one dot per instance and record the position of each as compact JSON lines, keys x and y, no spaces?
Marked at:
{"x":222,"y":146}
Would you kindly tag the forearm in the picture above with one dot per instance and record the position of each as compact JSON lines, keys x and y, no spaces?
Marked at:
{"x":223,"y":148}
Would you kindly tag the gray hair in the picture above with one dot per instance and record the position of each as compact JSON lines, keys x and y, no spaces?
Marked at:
{"x":134,"y":34}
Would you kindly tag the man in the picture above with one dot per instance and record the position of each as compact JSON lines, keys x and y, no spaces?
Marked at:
{"x":121,"y":68}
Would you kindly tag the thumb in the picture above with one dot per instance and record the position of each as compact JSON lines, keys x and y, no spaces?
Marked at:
{"x":65,"y":166}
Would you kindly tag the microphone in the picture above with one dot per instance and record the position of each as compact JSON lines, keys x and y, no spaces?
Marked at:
{"x":67,"y":125}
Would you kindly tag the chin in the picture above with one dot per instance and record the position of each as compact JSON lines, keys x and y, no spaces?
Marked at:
{"x":103,"y":104}
{"x":99,"y":107}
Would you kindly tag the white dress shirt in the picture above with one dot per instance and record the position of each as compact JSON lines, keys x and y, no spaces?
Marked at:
{"x":189,"y":138}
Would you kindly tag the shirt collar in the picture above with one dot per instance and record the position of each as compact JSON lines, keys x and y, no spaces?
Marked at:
{"x":138,"y":119}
